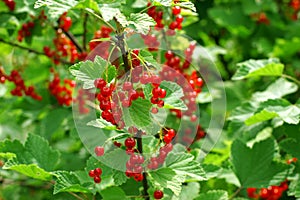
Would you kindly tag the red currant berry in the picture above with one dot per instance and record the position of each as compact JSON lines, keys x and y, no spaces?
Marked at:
{"x":158,"y":194}
{"x":179,"y":18}
{"x":160,"y":103}
{"x":97,"y":172}
{"x":106,"y":91}
{"x":154,"y":110}
{"x":92,"y":173}
{"x":176,"y":10}
{"x":99,"y":83}
{"x":99,"y":151}
{"x":130,"y":143}
{"x":127,"y":86}
{"x":97,"y":179}
{"x":169,"y":54}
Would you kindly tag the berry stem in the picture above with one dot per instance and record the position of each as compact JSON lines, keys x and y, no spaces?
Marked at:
{"x":235,"y":193}
{"x":32,"y":50}
{"x":140,"y":149}
{"x":73,"y":39}
{"x":85,"y":20}
{"x":291,"y":78}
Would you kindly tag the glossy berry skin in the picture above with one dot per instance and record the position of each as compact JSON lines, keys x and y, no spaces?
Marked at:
{"x":130,"y":143}
{"x":158,"y":194}
{"x":99,"y":151}
{"x":176,"y":10}
{"x":97,"y":172}
{"x":92,"y":173}
{"x":97,"y":179}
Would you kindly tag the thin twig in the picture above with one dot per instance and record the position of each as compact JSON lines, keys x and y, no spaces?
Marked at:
{"x":99,"y":17}
{"x":291,"y":78}
{"x":86,"y":16}
{"x":235,"y":193}
{"x":32,"y":50}
{"x":75,"y":195}
{"x":73,"y":39}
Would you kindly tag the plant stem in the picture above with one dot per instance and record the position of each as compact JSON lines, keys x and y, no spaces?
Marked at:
{"x":76,"y":196}
{"x":73,"y":39}
{"x":235,"y":193}
{"x":84,"y":31}
{"x":31,"y":50}
{"x":140,"y":149}
{"x":291,"y":78}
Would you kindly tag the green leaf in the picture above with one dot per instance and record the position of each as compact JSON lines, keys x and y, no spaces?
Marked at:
{"x":291,"y":146}
{"x":68,"y":182}
{"x":278,"y":89}
{"x":116,"y":159}
{"x":185,"y":165}
{"x":101,"y":123}
{"x":165,"y":3}
{"x":289,"y":114}
{"x":213,"y":195}
{"x":187,"y":5}
{"x":88,"y":71}
{"x":110,"y":74}
{"x":254,"y":166}
{"x":31,"y":170}
{"x":167,"y":178}
{"x":92,"y":4}
{"x":113,"y":193}
{"x":189,"y":191}
{"x":252,"y":68}
{"x":147,"y":57}
{"x":173,"y":97}
{"x":42,"y":154}
{"x":108,"y":13}
{"x":119,"y":177}
{"x":138,"y":113}
{"x":55,"y":8}
{"x":141,"y":22}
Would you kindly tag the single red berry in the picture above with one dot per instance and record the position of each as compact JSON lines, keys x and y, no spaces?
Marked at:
{"x":179,"y":18}
{"x":158,"y":194}
{"x":99,"y":83}
{"x":92,"y":173}
{"x":97,"y":172}
{"x":167,"y":138}
{"x":130,"y":143}
{"x":99,"y":151}
{"x":127,"y":86}
{"x":173,"y":25}
{"x":106,"y":91}
{"x":154,"y":110}
{"x":169,"y":54}
{"x":176,"y":10}
{"x":97,"y":179}
{"x":160,"y":103}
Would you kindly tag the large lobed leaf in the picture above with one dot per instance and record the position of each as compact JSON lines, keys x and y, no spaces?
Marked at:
{"x":252,"y":68}
{"x":254,"y":166}
{"x":35,"y":159}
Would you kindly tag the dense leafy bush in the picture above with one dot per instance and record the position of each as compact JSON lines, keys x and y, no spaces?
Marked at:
{"x":160,"y":99}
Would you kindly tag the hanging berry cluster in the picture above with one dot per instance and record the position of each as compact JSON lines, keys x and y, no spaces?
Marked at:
{"x":134,"y":166}
{"x":11,"y":4}
{"x":157,"y":15}
{"x":96,"y":174}
{"x":20,"y":88}
{"x":25,"y":31}
{"x":151,"y":41}
{"x":261,"y":18}
{"x":82,"y":97}
{"x":61,"y":91}
{"x":64,"y":47}
{"x":190,"y":89}
{"x":102,"y":33}
{"x":295,"y":5}
{"x":270,"y":193}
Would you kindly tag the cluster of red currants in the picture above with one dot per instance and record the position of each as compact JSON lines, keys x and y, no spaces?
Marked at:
{"x":292,"y":160}
{"x":62,"y":92}
{"x":270,"y":193}
{"x":157,"y":15}
{"x":65,"y":22}
{"x":158,"y":160}
{"x":82,"y":97}
{"x":25,"y":31}
{"x":95,"y":174}
{"x":134,"y":166}
{"x":11,"y":4}
{"x":102,"y":33}
{"x":295,"y":5}
{"x":20,"y":88}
